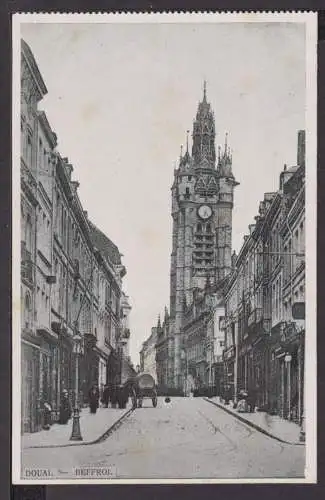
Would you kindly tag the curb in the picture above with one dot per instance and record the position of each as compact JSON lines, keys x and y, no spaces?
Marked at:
{"x":252,"y":424}
{"x":101,"y":438}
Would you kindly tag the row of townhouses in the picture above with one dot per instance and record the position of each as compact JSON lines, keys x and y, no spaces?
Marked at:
{"x":265,"y":300}
{"x":72,"y":301}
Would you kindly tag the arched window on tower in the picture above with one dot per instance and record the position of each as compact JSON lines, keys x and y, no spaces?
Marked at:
{"x":208,"y":228}
{"x":199,"y":228}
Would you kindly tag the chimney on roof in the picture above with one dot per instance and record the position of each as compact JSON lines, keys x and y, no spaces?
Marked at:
{"x":301,"y":148}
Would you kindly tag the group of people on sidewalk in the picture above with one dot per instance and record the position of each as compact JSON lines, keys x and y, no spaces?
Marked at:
{"x":246,"y":400}
{"x":108,"y":396}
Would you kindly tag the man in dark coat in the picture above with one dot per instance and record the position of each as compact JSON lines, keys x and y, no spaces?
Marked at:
{"x":65,"y":407}
{"x":251,"y":399}
{"x":105,"y":396}
{"x":93,"y":398}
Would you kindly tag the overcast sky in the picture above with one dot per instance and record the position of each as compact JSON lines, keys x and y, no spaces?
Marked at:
{"x":121,"y":97}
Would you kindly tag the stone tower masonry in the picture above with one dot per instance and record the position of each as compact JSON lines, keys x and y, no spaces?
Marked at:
{"x":202,"y":203}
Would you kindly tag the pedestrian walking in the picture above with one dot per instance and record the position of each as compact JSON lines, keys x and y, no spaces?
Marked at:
{"x":65,"y":407}
{"x":105,"y":396}
{"x":227,"y":394}
{"x":47,"y":412}
{"x":114,"y":395}
{"x":242,"y":398}
{"x":251,"y":400}
{"x":93,"y":398}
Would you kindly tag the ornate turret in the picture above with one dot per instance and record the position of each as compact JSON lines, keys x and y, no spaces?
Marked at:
{"x":203,"y":150}
{"x":166,"y":316}
{"x":224,"y":168}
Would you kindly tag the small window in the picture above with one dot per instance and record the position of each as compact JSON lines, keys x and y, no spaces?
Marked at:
{"x":187,"y":191}
{"x":189,"y":177}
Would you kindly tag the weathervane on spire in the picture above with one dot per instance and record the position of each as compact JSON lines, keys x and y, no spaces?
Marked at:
{"x":204,"y":90}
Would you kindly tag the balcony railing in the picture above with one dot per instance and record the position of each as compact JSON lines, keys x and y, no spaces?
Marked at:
{"x":28,"y":178}
{"x":255,"y":317}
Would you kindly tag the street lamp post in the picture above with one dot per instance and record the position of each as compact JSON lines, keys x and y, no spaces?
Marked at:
{"x":287,"y":360}
{"x":76,"y":432}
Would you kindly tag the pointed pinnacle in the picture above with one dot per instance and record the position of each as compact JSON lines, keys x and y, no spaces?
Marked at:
{"x":205,"y":90}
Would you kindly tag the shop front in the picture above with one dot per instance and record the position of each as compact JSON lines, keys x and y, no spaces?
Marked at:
{"x":287,"y":372}
{"x":260,"y":370}
{"x":292,"y":343}
{"x":217,"y":377}
{"x":89,"y":366}
{"x":30,"y":414}
{"x":229,"y":359}
{"x":48,"y":372}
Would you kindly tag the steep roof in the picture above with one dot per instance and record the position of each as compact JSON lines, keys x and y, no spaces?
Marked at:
{"x":104,"y":244}
{"x":26,"y":50}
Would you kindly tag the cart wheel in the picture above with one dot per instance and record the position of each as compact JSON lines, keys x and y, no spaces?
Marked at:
{"x":154,"y":402}
{"x":140,"y":403}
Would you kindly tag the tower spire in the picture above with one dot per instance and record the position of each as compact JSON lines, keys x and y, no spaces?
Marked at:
{"x":187,"y":132}
{"x":226,"y":144}
{"x":203,"y":146}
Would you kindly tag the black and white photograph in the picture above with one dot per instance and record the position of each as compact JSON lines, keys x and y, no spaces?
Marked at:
{"x":164,"y":248}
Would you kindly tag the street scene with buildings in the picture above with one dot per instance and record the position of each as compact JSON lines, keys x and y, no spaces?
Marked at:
{"x":218,"y":388}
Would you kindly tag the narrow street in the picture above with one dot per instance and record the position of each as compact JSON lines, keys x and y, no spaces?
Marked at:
{"x":186,"y":438}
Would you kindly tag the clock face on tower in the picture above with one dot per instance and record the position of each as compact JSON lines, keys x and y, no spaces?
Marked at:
{"x":205,"y":212}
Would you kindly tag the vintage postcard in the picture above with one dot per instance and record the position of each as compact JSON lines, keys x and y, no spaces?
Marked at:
{"x":164,"y":236}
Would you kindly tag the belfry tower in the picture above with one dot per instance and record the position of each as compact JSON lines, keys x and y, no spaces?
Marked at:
{"x":202,"y":204}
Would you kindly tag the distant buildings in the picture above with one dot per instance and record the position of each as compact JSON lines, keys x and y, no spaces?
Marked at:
{"x":71,"y":273}
{"x":148,"y":353}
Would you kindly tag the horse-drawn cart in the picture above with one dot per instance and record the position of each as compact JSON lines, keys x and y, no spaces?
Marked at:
{"x":143,"y":386}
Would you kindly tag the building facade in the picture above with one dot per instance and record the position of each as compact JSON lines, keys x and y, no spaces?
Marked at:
{"x":202,"y":204}
{"x":165,"y":355}
{"x":148,"y":353}
{"x":264,"y":300}
{"x":71,"y":273}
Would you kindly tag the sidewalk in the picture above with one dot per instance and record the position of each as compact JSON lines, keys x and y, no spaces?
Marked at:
{"x":92,"y":426}
{"x":271,"y":425}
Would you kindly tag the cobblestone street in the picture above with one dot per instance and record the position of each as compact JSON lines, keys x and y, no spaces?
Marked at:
{"x":187,"y":438}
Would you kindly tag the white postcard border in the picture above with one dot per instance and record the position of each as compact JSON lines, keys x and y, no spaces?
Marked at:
{"x":310,"y":19}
